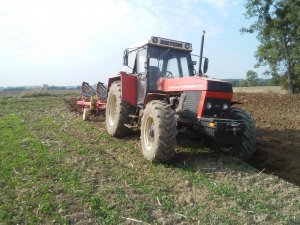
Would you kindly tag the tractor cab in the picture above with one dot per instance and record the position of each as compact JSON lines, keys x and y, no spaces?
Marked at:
{"x":158,"y":58}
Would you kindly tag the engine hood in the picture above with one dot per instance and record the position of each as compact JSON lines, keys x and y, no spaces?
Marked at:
{"x":193,"y":84}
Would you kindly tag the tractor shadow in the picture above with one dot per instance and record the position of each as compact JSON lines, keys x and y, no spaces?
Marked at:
{"x":195,"y":155}
{"x":277,"y":153}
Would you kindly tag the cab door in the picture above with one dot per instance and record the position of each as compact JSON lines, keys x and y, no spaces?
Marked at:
{"x":141,"y":75}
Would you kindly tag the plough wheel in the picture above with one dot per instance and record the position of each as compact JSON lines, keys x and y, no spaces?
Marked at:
{"x":86,"y":114}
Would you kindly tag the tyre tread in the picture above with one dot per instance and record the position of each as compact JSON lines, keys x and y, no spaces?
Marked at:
{"x":165,"y":148}
{"x":125,"y":109}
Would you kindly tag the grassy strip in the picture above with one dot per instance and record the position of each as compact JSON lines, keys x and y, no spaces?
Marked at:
{"x":242,"y":188}
{"x":37,"y":187}
{"x":223,"y":189}
{"x":24,"y":163}
{"x":107,"y":178}
{"x":113,"y":174}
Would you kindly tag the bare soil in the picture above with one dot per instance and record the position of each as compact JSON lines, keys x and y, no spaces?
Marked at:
{"x":72,"y":106}
{"x":260,"y":89}
{"x":277,"y":120}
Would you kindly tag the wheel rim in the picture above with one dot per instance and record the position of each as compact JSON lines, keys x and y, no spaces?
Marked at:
{"x":112,"y":110}
{"x":226,"y":148}
{"x":149,"y":133}
{"x":85,"y":114}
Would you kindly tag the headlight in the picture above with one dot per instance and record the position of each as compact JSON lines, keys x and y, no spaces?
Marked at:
{"x":187,"y":45}
{"x":208,"y":105}
{"x":154,"y":40}
{"x":225,"y":106}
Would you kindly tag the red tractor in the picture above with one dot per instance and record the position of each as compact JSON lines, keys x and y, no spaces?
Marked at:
{"x":160,"y":93}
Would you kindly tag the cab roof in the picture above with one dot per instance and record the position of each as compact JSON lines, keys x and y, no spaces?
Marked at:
{"x":164,"y":42}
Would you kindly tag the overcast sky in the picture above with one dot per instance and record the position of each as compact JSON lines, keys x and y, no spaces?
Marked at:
{"x":62,"y":42}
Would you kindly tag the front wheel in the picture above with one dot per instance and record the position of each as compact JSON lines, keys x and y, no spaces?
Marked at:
{"x":158,"y":132}
{"x":245,"y":145}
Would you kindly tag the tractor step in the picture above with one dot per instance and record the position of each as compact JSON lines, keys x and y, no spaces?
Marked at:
{"x":132,"y":127}
{"x":133,"y":116}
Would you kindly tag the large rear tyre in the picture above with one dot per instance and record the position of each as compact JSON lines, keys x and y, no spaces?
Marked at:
{"x":158,"y":132}
{"x":117,"y":112}
{"x":245,"y":145}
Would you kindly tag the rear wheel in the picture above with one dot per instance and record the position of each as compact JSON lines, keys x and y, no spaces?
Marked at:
{"x":245,"y":145}
{"x":117,"y":112}
{"x":158,"y":132}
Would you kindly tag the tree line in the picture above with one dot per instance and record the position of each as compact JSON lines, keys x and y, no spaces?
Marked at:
{"x":277,"y":28}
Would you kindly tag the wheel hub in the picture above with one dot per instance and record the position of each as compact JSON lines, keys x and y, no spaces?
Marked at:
{"x":149,"y":133}
{"x":226,"y":148}
{"x":112,"y":108}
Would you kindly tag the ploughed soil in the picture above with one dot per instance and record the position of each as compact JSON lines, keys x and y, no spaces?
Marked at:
{"x":277,"y":119}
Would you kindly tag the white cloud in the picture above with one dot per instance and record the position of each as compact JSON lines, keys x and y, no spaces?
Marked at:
{"x":64,"y":34}
{"x":57,"y":28}
{"x":53,"y":28}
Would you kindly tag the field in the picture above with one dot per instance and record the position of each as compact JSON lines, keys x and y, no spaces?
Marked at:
{"x":260,"y":89}
{"x":278,"y":125}
{"x":57,"y":169}
{"x":36,"y":92}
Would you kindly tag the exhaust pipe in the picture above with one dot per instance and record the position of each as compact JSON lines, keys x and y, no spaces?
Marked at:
{"x":201,"y":55}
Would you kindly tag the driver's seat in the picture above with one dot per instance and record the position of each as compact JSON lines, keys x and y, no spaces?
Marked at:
{"x":154,"y":75}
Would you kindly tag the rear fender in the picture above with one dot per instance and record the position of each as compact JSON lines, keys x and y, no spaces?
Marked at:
{"x":128,"y":84}
{"x":111,"y":80}
{"x":154,"y":96}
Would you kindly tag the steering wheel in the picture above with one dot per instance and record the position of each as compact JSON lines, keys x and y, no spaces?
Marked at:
{"x":169,"y":74}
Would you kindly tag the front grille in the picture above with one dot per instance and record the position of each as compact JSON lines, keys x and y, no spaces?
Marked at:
{"x":188,"y":104}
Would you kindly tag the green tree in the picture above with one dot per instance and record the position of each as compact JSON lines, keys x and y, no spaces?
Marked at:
{"x":252,"y":78}
{"x":277,"y":24}
{"x":244,"y":83}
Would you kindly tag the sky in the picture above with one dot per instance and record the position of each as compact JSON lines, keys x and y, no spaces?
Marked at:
{"x":65,"y":42}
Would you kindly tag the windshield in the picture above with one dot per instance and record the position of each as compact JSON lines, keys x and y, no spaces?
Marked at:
{"x":170,"y":62}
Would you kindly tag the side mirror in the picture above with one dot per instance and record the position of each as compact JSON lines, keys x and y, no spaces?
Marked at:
{"x":194,"y":72}
{"x":205,"y":66}
{"x":125,"y":57}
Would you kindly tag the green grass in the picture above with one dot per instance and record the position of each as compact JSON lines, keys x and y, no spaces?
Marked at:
{"x":55,"y":168}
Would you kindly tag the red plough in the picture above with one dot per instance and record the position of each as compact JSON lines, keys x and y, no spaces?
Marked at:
{"x":92,"y":101}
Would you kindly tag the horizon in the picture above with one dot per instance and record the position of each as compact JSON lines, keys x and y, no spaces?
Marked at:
{"x":94,"y":84}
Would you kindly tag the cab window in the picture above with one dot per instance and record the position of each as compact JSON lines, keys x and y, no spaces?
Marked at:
{"x":172,"y":67}
{"x":141,"y":61}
